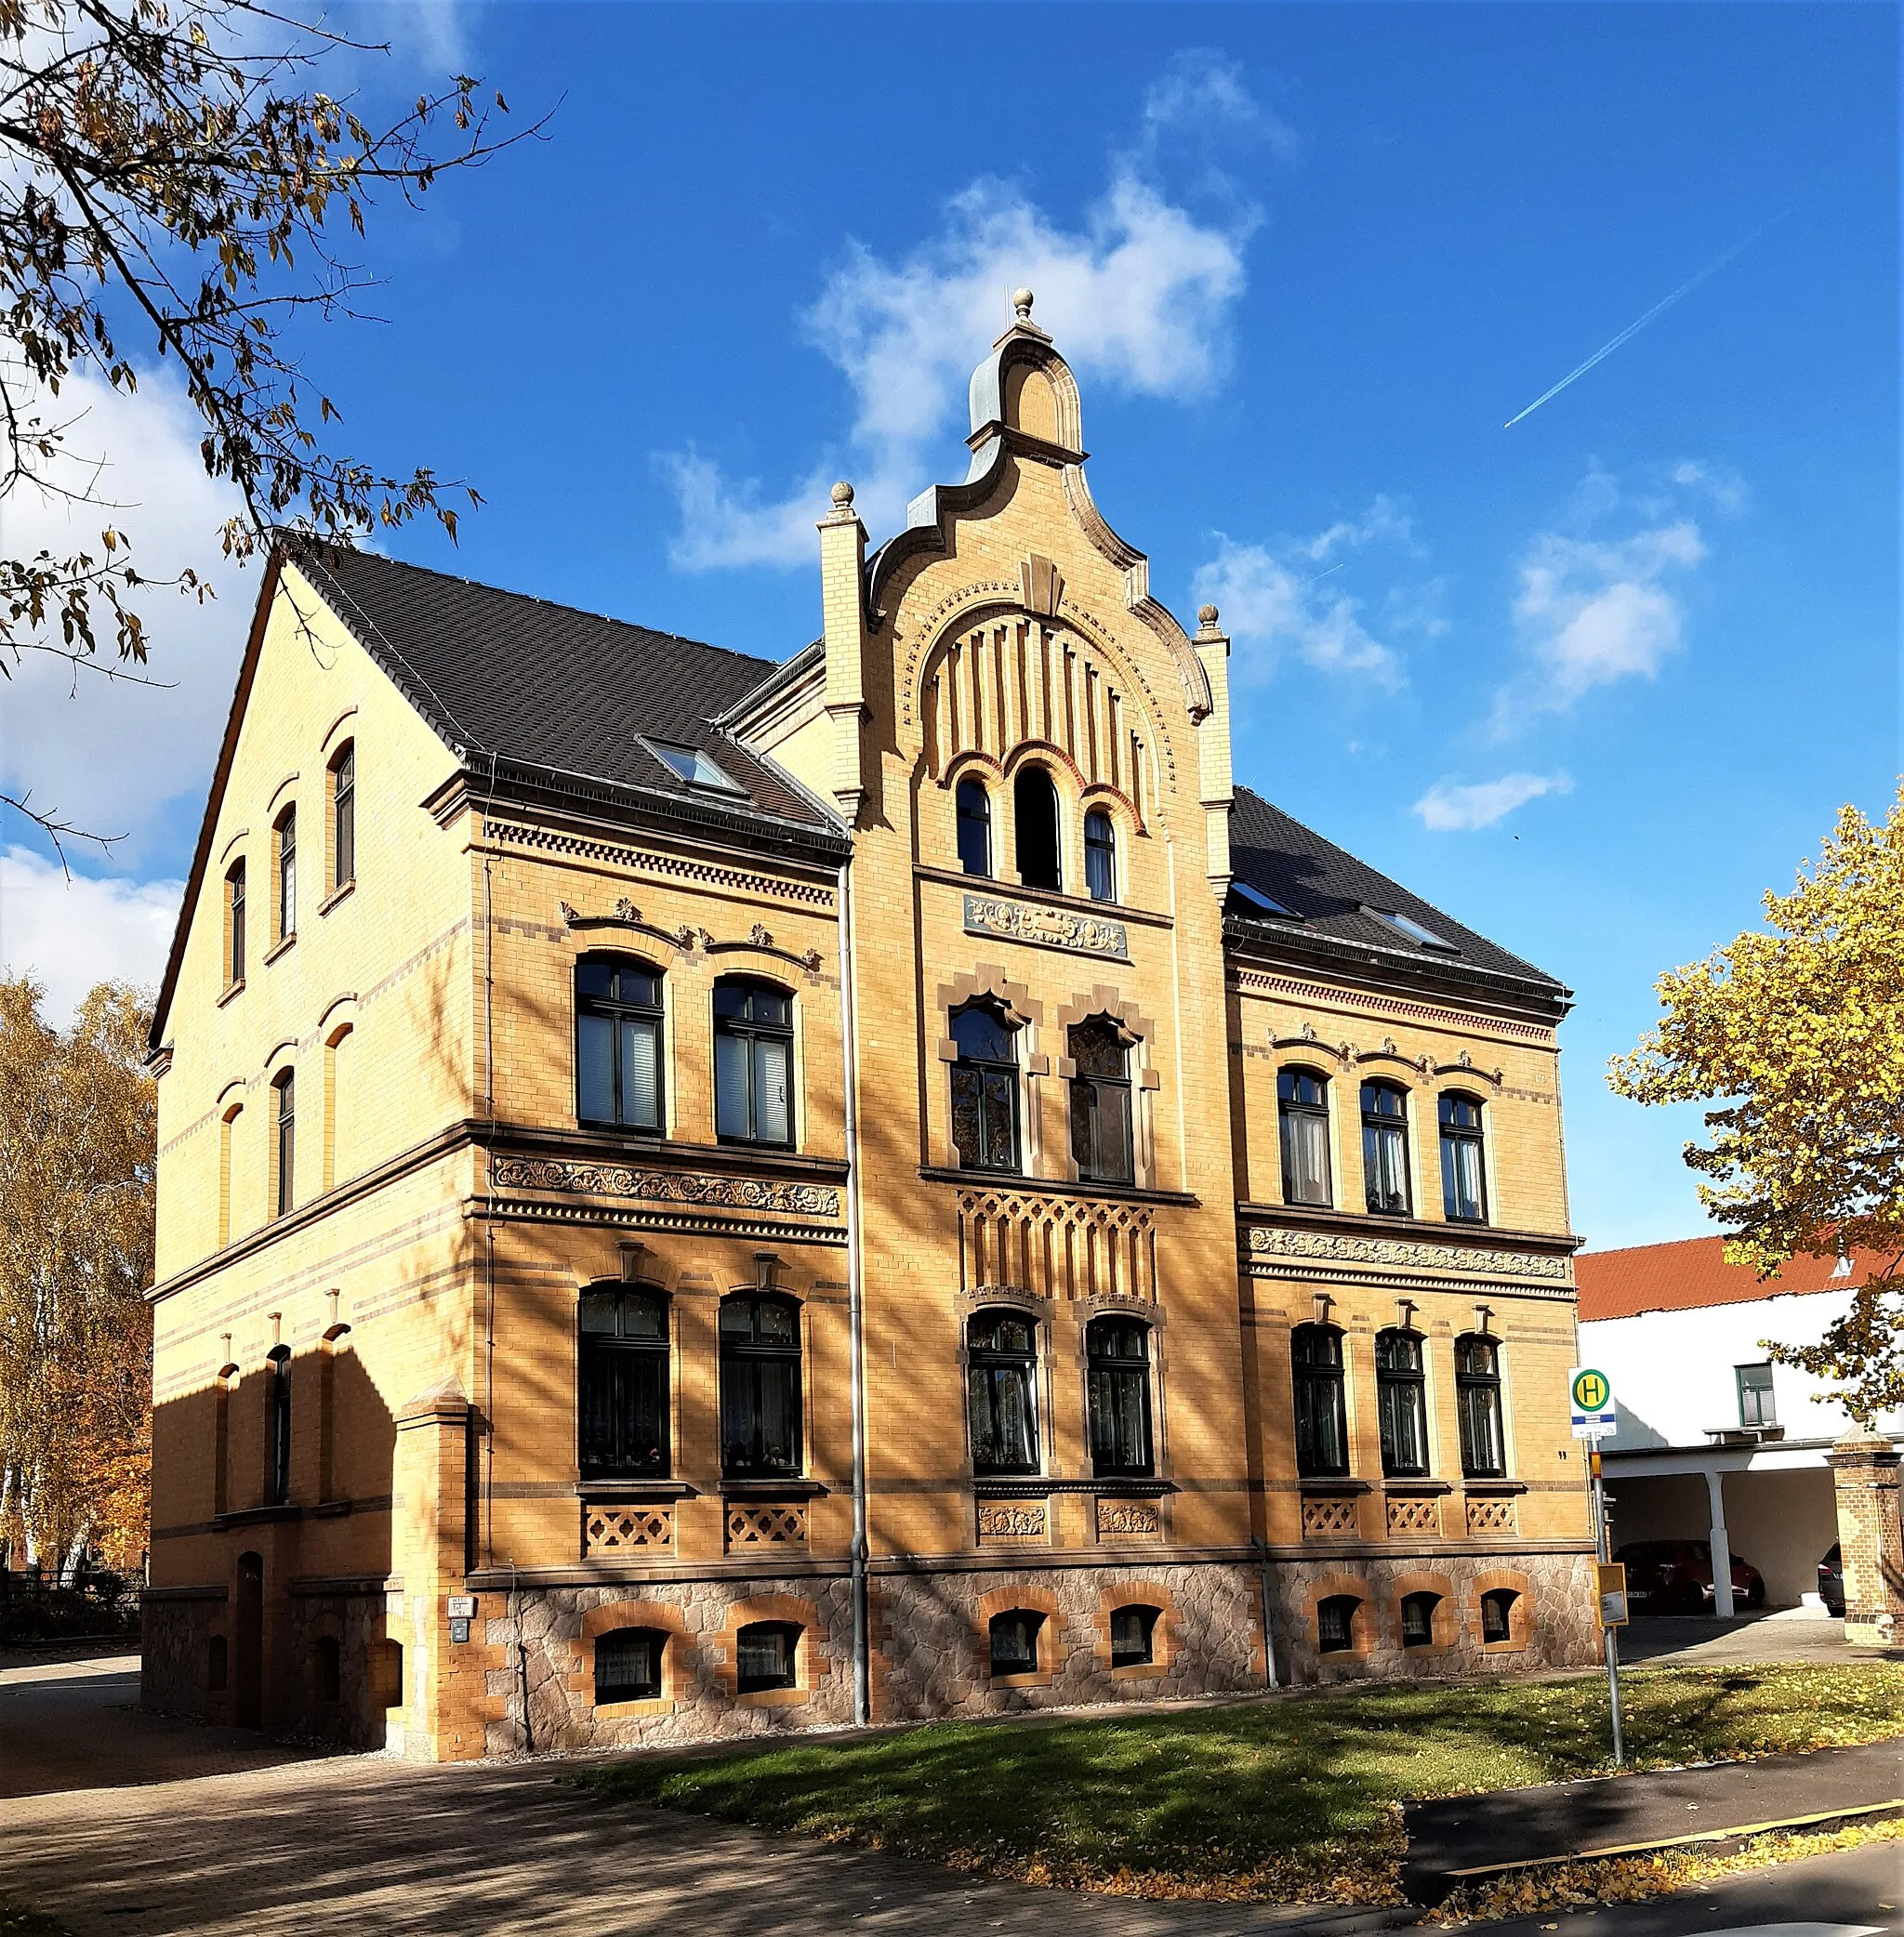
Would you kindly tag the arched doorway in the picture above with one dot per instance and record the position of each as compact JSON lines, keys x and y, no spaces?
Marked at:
{"x":247,"y":1693}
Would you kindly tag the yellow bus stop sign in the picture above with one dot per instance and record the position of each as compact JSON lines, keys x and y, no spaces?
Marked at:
{"x":1590,"y":1395}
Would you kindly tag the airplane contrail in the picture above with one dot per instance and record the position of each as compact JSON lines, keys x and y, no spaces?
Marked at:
{"x":1633,"y":329}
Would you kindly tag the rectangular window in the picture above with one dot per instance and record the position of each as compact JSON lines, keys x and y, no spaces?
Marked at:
{"x":287,"y":1144}
{"x":344,"y":818}
{"x":1756,"y":1405}
{"x":235,"y":911}
{"x":1306,"y":1158}
{"x":287,"y":874}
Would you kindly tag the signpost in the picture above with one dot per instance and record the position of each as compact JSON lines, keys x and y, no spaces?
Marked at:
{"x":1590,"y":1396}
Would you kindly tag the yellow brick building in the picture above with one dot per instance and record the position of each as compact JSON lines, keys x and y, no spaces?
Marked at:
{"x":699,"y":1196}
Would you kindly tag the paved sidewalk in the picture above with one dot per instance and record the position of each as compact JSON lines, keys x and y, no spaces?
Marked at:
{"x":363,"y":1845}
{"x":1704,"y":1640}
{"x":67,"y":1722}
{"x":1557,"y":1819}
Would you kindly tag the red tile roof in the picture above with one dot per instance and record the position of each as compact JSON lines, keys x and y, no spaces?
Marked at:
{"x":1679,"y":1277}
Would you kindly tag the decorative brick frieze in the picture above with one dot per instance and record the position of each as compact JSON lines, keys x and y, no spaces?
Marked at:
{"x":751,"y":1193}
{"x":1129,"y":1520}
{"x":1270,"y":1241}
{"x":749,"y":1526}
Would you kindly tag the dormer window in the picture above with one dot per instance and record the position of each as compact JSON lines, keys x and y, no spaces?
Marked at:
{"x":690,"y":764}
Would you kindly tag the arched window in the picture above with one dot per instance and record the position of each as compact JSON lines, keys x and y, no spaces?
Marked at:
{"x":1117,"y":1353}
{"x":1015,"y":1642}
{"x":1418,"y":1619}
{"x":760,"y":1387}
{"x":985,"y":1089}
{"x":277,"y":1430}
{"x":1322,"y":1426}
{"x":1497,"y":1614}
{"x":285,"y":840}
{"x":1463,"y":1182}
{"x":1335,"y":1623}
{"x":766,"y":1656}
{"x":622,"y":1397}
{"x":1100,"y":856}
{"x":1302,"y":1106}
{"x":1133,"y":1631}
{"x":628,"y":1665}
{"x":617,"y":1043}
{"x":1035,"y":807}
{"x":753,"y":1063}
{"x":327,"y":1663}
{"x":234,"y":925}
{"x":1001,"y":1391}
{"x":974,"y":827}
{"x":285,"y":1128}
{"x":1478,"y":1398}
{"x":1100,"y":1100}
{"x":1385,"y":1147}
{"x":343,"y":792}
{"x":1402,"y":1401}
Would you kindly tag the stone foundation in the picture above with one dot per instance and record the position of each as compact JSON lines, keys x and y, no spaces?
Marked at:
{"x":176,"y":1652}
{"x":931,"y":1636}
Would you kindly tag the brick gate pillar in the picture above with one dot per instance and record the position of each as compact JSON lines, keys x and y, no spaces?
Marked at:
{"x":1864,"y":1467}
{"x":442,"y":1700}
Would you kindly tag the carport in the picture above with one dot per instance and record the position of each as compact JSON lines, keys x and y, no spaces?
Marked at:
{"x":1770,"y":1500}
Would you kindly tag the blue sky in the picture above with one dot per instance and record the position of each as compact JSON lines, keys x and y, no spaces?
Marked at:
{"x":1307,"y":262}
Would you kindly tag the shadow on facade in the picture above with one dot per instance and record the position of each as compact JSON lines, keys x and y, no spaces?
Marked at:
{"x":271,"y":1612}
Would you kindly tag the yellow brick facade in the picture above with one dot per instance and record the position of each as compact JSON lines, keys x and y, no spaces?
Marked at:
{"x":433,"y":1565}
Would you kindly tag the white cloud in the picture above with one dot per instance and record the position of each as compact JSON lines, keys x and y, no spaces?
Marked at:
{"x":1200,"y":91}
{"x":1277,"y":600}
{"x":1450,"y":807}
{"x":1599,"y":599}
{"x":1139,"y":296}
{"x":68,"y":935}
{"x":108,"y":754}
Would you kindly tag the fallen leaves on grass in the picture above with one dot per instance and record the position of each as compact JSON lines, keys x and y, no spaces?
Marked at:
{"x":1633,"y":1879}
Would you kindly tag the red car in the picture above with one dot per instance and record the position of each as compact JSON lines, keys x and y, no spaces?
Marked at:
{"x":1676,"y":1577}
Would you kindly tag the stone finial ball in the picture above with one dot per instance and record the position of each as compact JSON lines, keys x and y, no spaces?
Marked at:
{"x":843,"y":494}
{"x":1206,"y":616}
{"x":1021,"y":301}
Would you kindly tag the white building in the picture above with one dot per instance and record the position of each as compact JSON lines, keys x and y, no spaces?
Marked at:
{"x":1715,"y":1442}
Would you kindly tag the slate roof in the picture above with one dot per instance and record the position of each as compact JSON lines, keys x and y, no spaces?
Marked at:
{"x":1692,"y":1272}
{"x":550,"y":688}
{"x":1331,"y":890}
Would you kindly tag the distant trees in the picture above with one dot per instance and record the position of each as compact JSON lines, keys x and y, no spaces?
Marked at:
{"x":1798,"y":1035}
{"x":172,"y":182}
{"x":78,"y":1116}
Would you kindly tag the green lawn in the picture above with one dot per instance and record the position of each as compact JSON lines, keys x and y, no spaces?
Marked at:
{"x":1289,"y":1800}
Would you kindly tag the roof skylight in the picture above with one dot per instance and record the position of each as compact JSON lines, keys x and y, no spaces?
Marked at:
{"x":1260,"y":903}
{"x":689,"y":763}
{"x":1416,"y":932}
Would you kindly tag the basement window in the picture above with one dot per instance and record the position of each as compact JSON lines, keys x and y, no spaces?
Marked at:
{"x":689,"y":763}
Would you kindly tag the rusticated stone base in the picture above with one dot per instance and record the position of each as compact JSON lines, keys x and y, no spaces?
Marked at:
{"x":176,"y":1653}
{"x":931,"y":1652}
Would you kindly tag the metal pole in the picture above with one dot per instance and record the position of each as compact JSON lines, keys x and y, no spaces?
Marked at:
{"x":1603,"y":1547}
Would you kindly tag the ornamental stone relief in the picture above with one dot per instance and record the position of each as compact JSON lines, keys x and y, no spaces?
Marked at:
{"x":1010,"y":1519}
{"x":1127,"y":1519}
{"x":664,"y":1186}
{"x":1342,"y":1249}
{"x":1054,"y":928}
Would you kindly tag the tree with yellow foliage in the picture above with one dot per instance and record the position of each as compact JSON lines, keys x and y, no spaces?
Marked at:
{"x":1798,"y":1035}
{"x":78,"y":1120}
